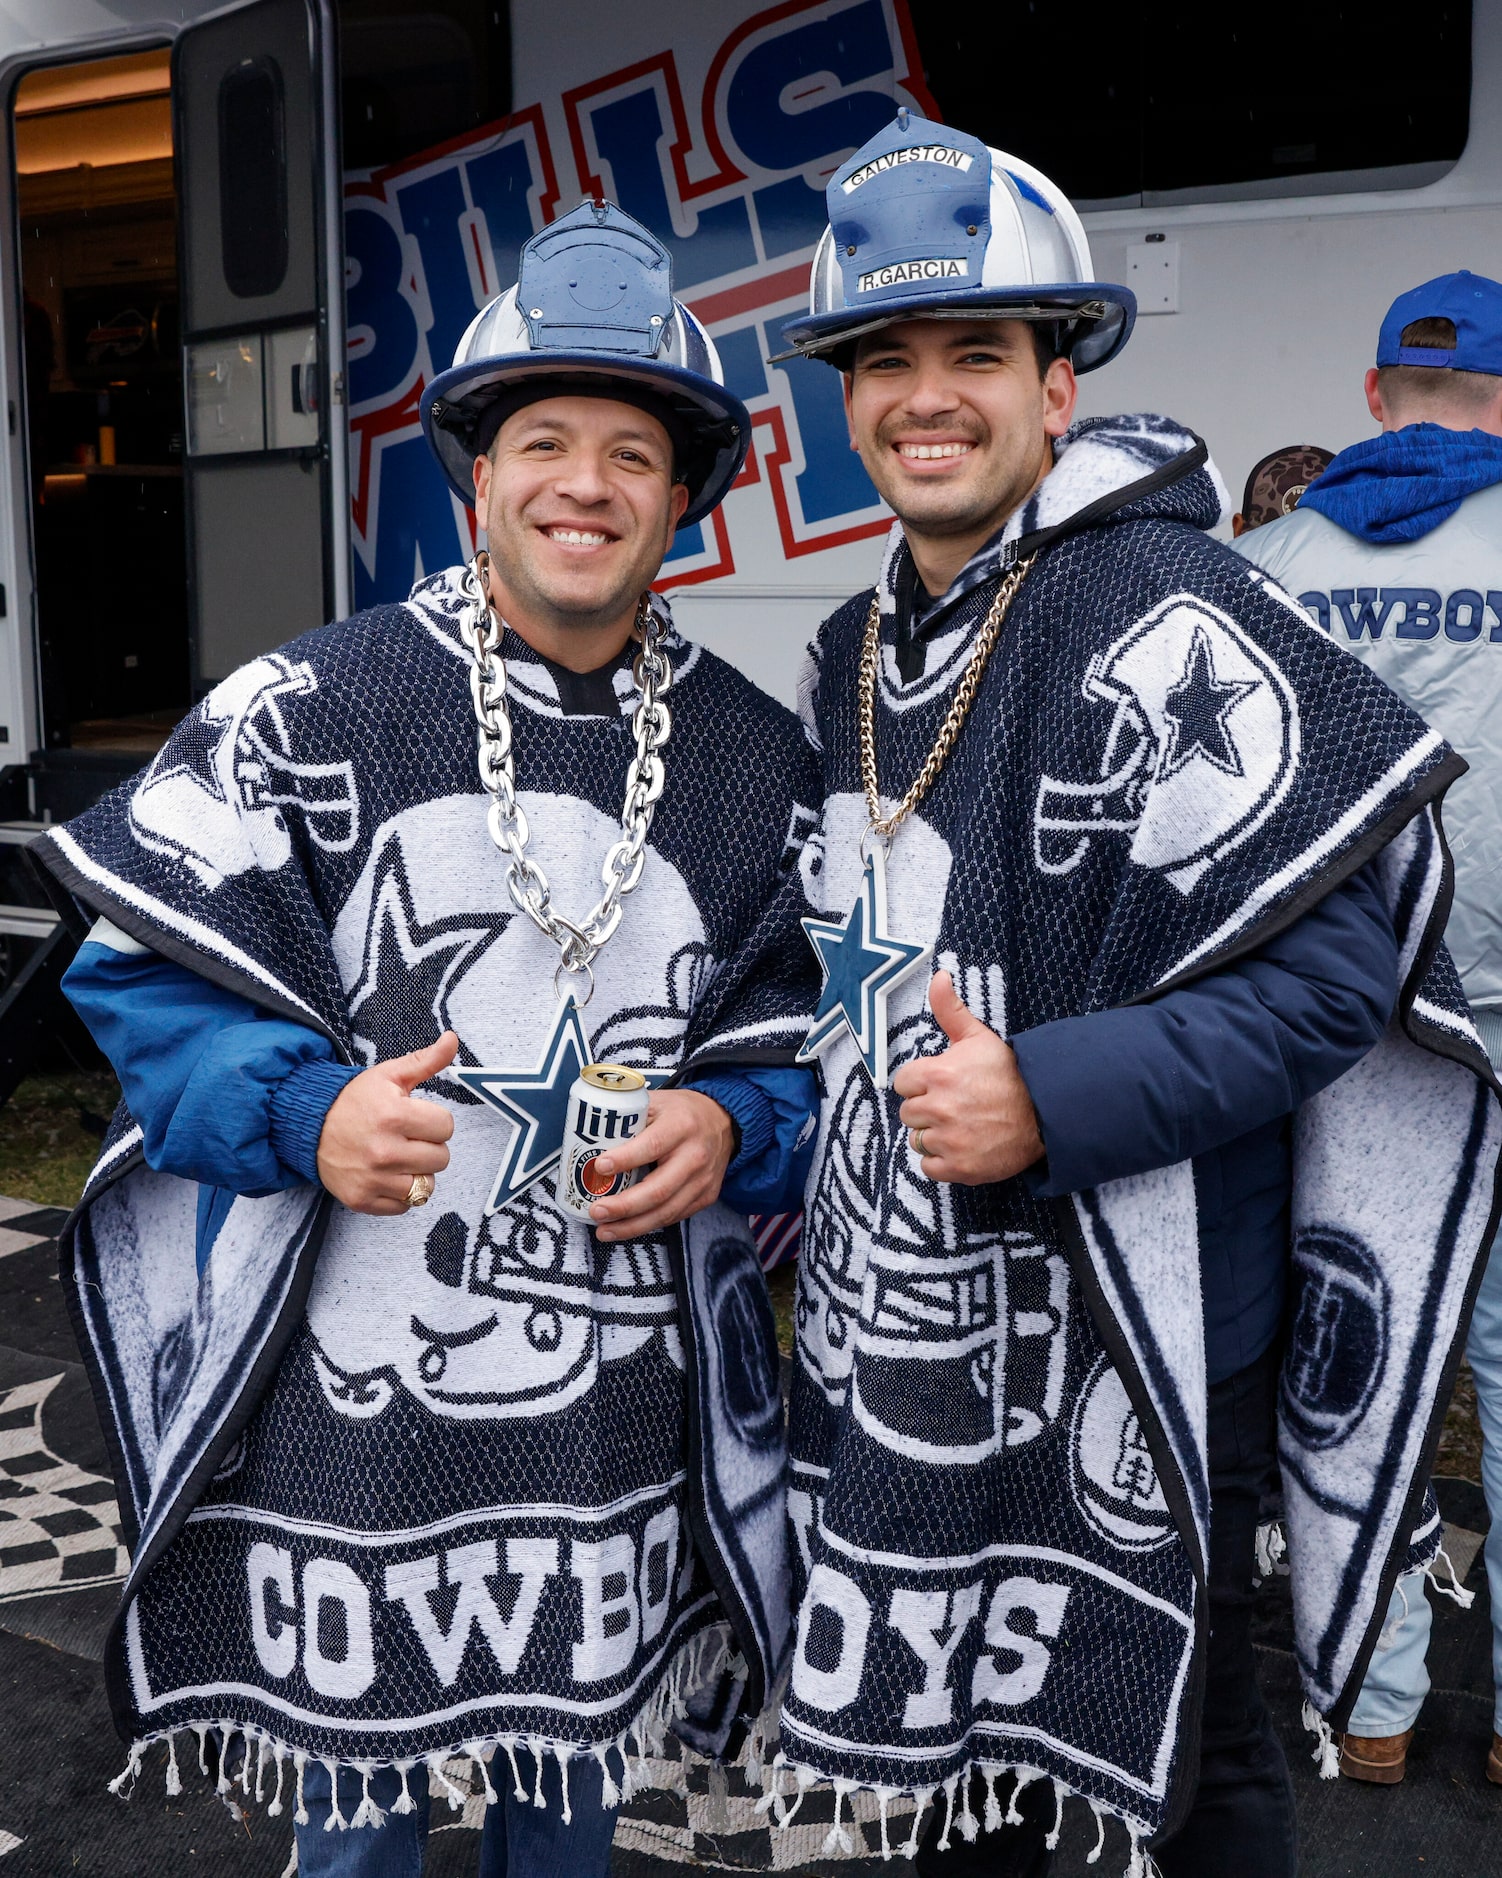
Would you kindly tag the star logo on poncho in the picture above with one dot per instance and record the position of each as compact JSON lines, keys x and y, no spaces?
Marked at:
{"x":1196,"y":709}
{"x":537,"y":1101}
{"x":862,"y":965}
{"x":195,"y":749}
{"x":411,"y":969}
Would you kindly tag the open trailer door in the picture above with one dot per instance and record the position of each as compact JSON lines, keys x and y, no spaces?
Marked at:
{"x":261,"y":261}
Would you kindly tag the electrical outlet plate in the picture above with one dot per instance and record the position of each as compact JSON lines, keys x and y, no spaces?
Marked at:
{"x":1153,"y":275}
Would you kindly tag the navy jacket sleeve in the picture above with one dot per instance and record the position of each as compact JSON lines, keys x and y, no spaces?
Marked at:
{"x":775,"y":1110}
{"x":1121,"y":1092}
{"x":225,"y":1094}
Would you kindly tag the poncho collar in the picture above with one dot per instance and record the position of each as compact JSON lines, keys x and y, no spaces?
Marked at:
{"x":1401,"y":485}
{"x":1104,"y":469}
{"x":537,"y":682}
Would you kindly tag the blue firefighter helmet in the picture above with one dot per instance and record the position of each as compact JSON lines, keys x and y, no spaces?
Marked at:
{"x":925,"y":221}
{"x":593,"y":311}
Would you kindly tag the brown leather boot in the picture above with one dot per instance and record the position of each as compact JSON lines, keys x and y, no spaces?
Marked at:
{"x":1382,"y":1759}
{"x":1494,"y":1760}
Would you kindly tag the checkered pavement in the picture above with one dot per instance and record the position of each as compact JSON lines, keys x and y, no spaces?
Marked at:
{"x":59,"y":1525}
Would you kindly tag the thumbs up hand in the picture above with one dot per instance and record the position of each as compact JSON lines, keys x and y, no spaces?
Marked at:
{"x":968,"y":1112}
{"x":377,"y":1136}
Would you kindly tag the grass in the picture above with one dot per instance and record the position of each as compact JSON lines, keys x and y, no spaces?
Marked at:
{"x":781,"y":1283}
{"x":46,"y":1146}
{"x":1460,"y":1444}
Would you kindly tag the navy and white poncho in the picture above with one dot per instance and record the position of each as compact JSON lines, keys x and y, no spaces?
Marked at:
{"x":394,"y":1486}
{"x":999,"y":1477}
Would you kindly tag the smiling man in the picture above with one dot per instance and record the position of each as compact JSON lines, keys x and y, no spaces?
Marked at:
{"x":1174,"y":868}
{"x":412,"y":1453}
{"x":956,"y":423}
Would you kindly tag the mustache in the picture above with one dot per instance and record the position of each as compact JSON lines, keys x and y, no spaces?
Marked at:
{"x":951,"y":427}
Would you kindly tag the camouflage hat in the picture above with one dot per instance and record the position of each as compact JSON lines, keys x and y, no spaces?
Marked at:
{"x":1277,"y":482}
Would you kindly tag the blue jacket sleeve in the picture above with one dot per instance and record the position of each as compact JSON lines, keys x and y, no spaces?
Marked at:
{"x":1121,"y":1092}
{"x":225,"y":1093}
{"x":776,"y":1112}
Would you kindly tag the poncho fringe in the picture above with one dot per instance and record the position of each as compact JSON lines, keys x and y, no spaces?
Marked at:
{"x":703,"y":1659}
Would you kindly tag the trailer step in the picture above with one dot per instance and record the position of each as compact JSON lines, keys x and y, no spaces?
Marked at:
{"x":21,"y":834}
{"x":24,"y":912}
{"x":27,"y":922}
{"x":33,"y":1008}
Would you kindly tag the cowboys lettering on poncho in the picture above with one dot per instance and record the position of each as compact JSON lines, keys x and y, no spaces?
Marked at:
{"x":1179,"y":869}
{"x":413,"y":1461}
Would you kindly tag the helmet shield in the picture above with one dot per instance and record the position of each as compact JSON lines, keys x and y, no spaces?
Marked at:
{"x":926,"y":221}
{"x":592,"y":283}
{"x":915,"y":217}
{"x":593,"y":306}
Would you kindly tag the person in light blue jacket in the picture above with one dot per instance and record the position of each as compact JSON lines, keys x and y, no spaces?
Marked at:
{"x":1396,"y":552}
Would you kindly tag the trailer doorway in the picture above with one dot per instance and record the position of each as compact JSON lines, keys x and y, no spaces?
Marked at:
{"x":97,"y":206}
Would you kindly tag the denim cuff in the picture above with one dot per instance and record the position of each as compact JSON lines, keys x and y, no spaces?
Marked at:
{"x":299,"y":1104}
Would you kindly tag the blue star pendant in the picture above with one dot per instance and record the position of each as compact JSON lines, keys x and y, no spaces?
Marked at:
{"x":537,"y":1101}
{"x":862,"y":965}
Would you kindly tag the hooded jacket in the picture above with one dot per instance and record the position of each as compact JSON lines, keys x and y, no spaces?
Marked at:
{"x":1424,"y":613}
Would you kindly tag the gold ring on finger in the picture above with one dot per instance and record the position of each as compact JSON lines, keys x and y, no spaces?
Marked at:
{"x":917,"y":1141}
{"x":421,"y":1190}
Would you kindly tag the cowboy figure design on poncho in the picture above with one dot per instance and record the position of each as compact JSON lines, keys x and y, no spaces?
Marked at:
{"x":399,"y":1485}
{"x":999,"y":1477}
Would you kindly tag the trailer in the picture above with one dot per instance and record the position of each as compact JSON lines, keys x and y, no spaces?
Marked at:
{"x":242,"y":237}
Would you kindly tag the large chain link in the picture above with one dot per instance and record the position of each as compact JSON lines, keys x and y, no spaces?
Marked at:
{"x":578,"y":941}
{"x":985,"y":641}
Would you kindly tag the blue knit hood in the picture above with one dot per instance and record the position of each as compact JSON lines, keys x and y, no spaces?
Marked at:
{"x":1403,"y":484}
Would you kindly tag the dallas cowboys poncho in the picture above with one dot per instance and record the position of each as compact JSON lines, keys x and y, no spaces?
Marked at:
{"x":999,"y":1476}
{"x":394,"y":1486}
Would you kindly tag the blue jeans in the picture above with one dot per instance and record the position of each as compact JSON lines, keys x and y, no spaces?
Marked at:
{"x":1484,"y":1349}
{"x":1398,"y":1681}
{"x":519,"y":1840}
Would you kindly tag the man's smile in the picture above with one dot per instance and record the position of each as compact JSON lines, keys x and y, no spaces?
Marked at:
{"x":933,"y":452}
{"x":573,"y":537}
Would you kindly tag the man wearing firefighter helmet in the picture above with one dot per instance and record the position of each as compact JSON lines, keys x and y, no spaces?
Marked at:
{"x":410,"y":1451}
{"x":1124,"y":879}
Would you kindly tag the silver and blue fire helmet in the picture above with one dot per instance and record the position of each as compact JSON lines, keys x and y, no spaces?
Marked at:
{"x":593,"y":313}
{"x":925,"y":222}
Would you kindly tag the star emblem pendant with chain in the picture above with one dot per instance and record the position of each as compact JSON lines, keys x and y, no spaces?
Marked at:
{"x":862,"y":965}
{"x":536,"y":1100}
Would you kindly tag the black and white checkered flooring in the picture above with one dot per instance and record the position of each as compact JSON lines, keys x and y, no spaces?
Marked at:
{"x":61,"y":1560}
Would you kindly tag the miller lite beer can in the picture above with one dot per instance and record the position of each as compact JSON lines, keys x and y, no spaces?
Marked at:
{"x":606,"y":1106}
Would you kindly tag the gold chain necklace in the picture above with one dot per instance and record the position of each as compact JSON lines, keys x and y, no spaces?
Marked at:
{"x":949,"y":730}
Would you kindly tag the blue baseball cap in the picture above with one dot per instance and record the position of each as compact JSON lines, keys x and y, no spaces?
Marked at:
{"x":925,"y":221}
{"x":1471,"y":302}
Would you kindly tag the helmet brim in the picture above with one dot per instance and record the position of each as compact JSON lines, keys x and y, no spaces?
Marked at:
{"x":720,"y":425}
{"x":1105,"y":312}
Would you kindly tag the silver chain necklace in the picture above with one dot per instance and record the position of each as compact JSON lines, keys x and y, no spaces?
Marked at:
{"x":578,"y":941}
